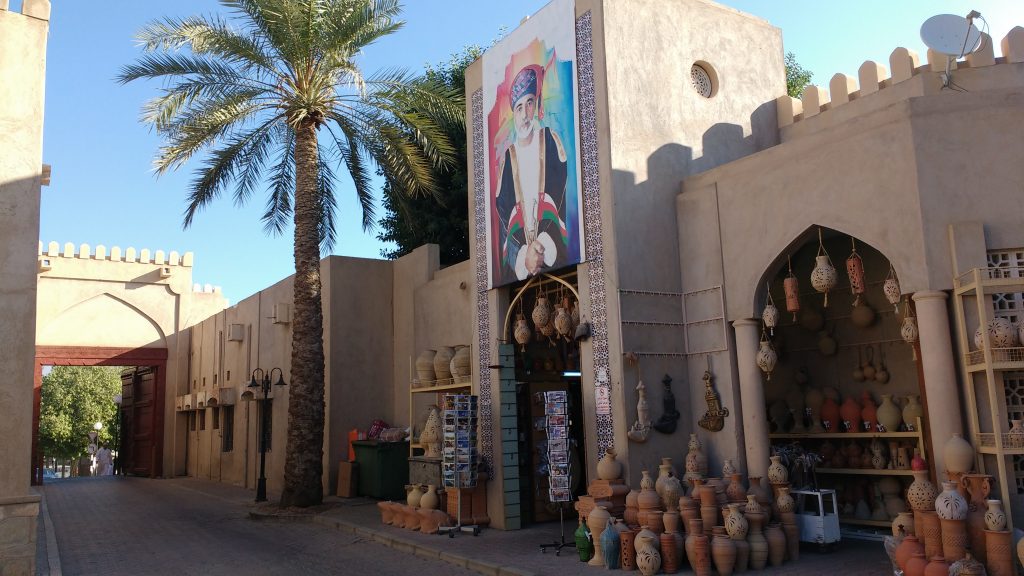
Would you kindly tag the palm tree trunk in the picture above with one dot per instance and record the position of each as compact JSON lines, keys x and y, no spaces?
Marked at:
{"x":303,"y":470}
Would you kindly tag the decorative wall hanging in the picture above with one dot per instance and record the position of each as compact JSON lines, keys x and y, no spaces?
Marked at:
{"x":666,"y":424}
{"x":909,"y":330}
{"x":642,"y":427}
{"x":770,"y":315}
{"x":823,"y":277}
{"x":714,"y":418}
{"x":792,"y":287}
{"x":891,"y":287}
{"x":855,"y":271}
{"x":766,"y":356}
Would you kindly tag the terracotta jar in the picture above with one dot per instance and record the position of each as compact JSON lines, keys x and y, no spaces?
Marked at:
{"x":385,"y":512}
{"x":830,"y":415}
{"x":742,"y":555}
{"x":687,"y":511}
{"x":912,"y":411}
{"x":701,"y":561}
{"x":670,"y":520}
{"x":959,"y":454}
{"x":932,"y":531}
{"x":655,"y":521}
{"x":999,"y":553}
{"x":757,"y":541}
{"x":736,"y":524}
{"x":904,"y":520}
{"x":670,"y":491}
{"x":723,"y":552}
{"x":442,"y":362}
{"x":995,"y":518}
{"x":889,"y":414}
{"x":758,"y":491}
{"x":413,"y":494}
{"x":735,"y":492}
{"x":597,"y":521}
{"x":949,"y":504}
{"x":461,"y":364}
{"x":542,"y":311}
{"x":646,"y":531}
{"x":709,"y":518}
{"x":425,"y":367}
{"x":611,"y":546}
{"x":646,"y":482}
{"x":630,"y":514}
{"x":627,"y":541}
{"x":850,"y":413}
{"x":921,"y":496}
{"x":792,"y":532}
{"x":777,"y":473}
{"x":696,"y":461}
{"x":669,"y":556}
{"x":430,"y":500}
{"x":664,"y":473}
{"x":608,"y":468}
{"x":869,"y":413}
{"x":695,"y":528}
{"x":915,"y":565}
{"x":784,"y":502}
{"x":648,"y":559}
{"x":937,"y":566}
{"x":776,"y":543}
{"x":954,"y":539}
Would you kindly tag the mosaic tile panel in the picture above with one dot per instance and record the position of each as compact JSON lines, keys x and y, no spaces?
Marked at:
{"x":592,"y":216}
{"x":483,"y":316}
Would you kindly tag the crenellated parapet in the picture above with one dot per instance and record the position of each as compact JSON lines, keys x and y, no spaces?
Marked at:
{"x":904,"y":64}
{"x":39,"y":9}
{"x":115,"y":254}
{"x":205,"y":289}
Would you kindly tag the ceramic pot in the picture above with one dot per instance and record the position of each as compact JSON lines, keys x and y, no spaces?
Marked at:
{"x":413,"y":495}
{"x":792,"y":532}
{"x":905,"y":520}
{"x":709,"y":517}
{"x":627,"y":541}
{"x":584,"y":544}
{"x":975,"y":489}
{"x":646,"y":482}
{"x":907,"y":549}
{"x":999,"y":553}
{"x":522,"y":332}
{"x":770,"y":316}
{"x":784,"y":502}
{"x":1015,"y":436}
{"x":915,"y":565}
{"x":632,"y":507}
{"x":776,"y":544}
{"x":954,"y":539}
{"x":995,"y":518}
{"x":646,"y":531}
{"x":950,"y":504}
{"x":671,"y":521}
{"x":723,"y":552}
{"x":563,"y":321}
{"x":830,"y":415}
{"x":889,"y":414}
{"x":728,"y":468}
{"x":736,"y":525}
{"x":777,"y":473}
{"x":425,"y":367}
{"x":696,"y":461}
{"x":542,"y":310}
{"x":735,"y":492}
{"x":442,"y":363}
{"x":909,"y":331}
{"x":757,"y":541}
{"x":791,"y":286}
{"x":1001,"y":334}
{"x":655,"y":521}
{"x":758,"y":491}
{"x":611,"y":546}
{"x":430,"y":500}
{"x":461,"y":362}
{"x":664,"y":473}
{"x":648,"y":559}
{"x":694,"y":528}
{"x":608,"y":468}
{"x":868,"y":414}
{"x":669,"y":556}
{"x":823,"y":277}
{"x":742,"y":555}
{"x":701,"y":561}
{"x":597,"y":521}
{"x":862,"y":315}
{"x":932,"y":531}
{"x":850,"y":413}
{"x":767,"y":357}
{"x":912,"y":411}
{"x":753,"y":505}
{"x":959,"y":454}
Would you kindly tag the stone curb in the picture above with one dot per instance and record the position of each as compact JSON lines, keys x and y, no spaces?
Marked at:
{"x":423,"y":551}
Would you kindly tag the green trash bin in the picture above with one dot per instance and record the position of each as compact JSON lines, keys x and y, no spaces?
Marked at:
{"x":383,"y":468}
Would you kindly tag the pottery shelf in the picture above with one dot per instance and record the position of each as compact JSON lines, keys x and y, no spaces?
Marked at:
{"x":438,"y":387}
{"x":455,"y":383}
{"x":983,"y":368}
{"x":845,"y":435}
{"x":864,"y":471}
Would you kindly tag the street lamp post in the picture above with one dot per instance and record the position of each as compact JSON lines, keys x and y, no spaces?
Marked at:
{"x":263,"y":382}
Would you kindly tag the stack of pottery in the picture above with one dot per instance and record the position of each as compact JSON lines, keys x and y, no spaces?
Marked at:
{"x":758,"y":545}
{"x":906,"y":550}
{"x":723,"y":552}
{"x":959,"y":456}
{"x":648,"y":502}
{"x":672,"y":542}
{"x":708,"y":507}
{"x":921,"y":496}
{"x":737,"y":527}
{"x":598,"y":521}
{"x":975,"y":489}
{"x":688,"y":510}
{"x":951,"y":508}
{"x":696,"y":461}
{"x":998,"y":541}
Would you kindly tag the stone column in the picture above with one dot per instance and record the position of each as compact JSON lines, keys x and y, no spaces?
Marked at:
{"x":939,"y":370}
{"x":755,"y":418}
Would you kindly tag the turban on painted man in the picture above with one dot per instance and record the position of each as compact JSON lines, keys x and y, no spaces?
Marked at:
{"x":524,"y":83}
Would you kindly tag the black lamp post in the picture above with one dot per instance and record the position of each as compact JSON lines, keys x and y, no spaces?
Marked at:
{"x":263,"y":382}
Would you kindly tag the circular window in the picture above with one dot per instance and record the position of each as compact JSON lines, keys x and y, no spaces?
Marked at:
{"x":702,"y":80}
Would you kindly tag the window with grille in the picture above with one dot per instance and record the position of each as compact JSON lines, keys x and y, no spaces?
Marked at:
{"x":227,"y":439}
{"x":1010,"y":305}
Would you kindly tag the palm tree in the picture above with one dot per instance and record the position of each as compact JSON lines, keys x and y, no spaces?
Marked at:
{"x":274,"y":95}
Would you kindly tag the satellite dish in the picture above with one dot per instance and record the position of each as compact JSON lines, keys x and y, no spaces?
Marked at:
{"x":950,"y":34}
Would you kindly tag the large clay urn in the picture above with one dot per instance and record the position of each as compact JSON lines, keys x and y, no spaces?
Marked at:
{"x":430,"y":500}
{"x":889,"y":414}
{"x":461,"y":362}
{"x":669,"y":554}
{"x":425,"y":367}
{"x":912,"y":411}
{"x":777,"y":473}
{"x":442,"y":362}
{"x":608,"y":468}
{"x":648,"y":558}
{"x":959,"y":454}
{"x":597,"y":521}
{"x":723,"y":552}
{"x":999,"y":553}
{"x":850,"y":413}
{"x":915,"y":565}
{"x":907,"y":549}
{"x":413,"y":495}
{"x":776,"y":543}
{"x":735,"y":492}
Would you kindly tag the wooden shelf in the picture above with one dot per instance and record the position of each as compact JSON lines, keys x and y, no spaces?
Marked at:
{"x":864,"y":471}
{"x":878,"y":523}
{"x":448,"y":385}
{"x":847,"y":435}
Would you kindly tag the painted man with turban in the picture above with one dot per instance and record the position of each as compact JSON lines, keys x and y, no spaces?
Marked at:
{"x":532,"y":234}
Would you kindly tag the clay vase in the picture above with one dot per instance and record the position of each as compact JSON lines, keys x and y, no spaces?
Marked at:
{"x":889,"y":414}
{"x":950,"y":504}
{"x":912,"y":411}
{"x":611,"y":546}
{"x":669,"y":555}
{"x":630,"y":514}
{"x":904,"y":520}
{"x":757,"y":541}
{"x":830,"y":415}
{"x":608,"y":468}
{"x":584,"y":544}
{"x":670,"y":492}
{"x":932,"y":531}
{"x":784,"y":502}
{"x":655,"y":521}
{"x":688,"y":511}
{"x":664,"y":473}
{"x":627,"y":541}
{"x":735,"y":492}
{"x":792,"y":532}
{"x":646,"y":482}
{"x":850,"y":413}
{"x":728,"y":468}
{"x":777,"y":473}
{"x":907,"y":549}
{"x":694,"y":528}
{"x":646,"y":531}
{"x":723,"y":552}
{"x":413,"y":495}
{"x":425,"y":367}
{"x":696,"y":461}
{"x":776,"y":544}
{"x":758,"y":491}
{"x":597,"y":521}
{"x":522,"y":332}
{"x":921,"y":496}
{"x":869,"y":413}
{"x":1015,"y":436}
{"x":736,"y":525}
{"x":542,"y":310}
{"x":701,"y":561}
{"x":442,"y":362}
{"x":954,"y":539}
{"x":461,"y":362}
{"x":648,"y":559}
{"x":999,"y":553}
{"x":995,"y":518}
{"x":430,"y":500}
{"x":916,"y":565}
{"x":709,"y":518}
{"x":975,"y":489}
{"x":959,"y":454}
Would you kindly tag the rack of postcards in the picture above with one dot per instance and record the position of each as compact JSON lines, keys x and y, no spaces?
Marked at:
{"x":557,"y":425}
{"x":459,"y":461}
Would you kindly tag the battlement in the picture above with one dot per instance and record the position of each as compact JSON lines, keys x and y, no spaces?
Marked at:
{"x":873,"y":77}
{"x":129,"y":255}
{"x":206,"y":289}
{"x":38,"y":9}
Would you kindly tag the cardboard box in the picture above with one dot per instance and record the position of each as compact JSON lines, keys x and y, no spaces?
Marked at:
{"x":348,"y":479}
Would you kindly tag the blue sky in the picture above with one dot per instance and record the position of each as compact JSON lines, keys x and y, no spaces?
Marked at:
{"x":104,"y":191}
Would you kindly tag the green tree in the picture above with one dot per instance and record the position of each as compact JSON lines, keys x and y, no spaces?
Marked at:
{"x":797,"y":77}
{"x":411,"y":221}
{"x":276,"y":91}
{"x":74,"y":398}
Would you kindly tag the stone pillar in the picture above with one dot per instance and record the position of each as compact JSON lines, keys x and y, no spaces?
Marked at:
{"x":939,"y":370}
{"x":755,"y":418}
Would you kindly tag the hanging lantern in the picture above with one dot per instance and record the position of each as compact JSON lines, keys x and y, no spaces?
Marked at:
{"x":541,"y":312}
{"x":855,"y":270}
{"x":770,"y":315}
{"x":522,"y":332}
{"x":909,"y":330}
{"x":823,"y":277}
{"x":766,"y":356}
{"x":892,"y":289}
{"x":792,"y":287}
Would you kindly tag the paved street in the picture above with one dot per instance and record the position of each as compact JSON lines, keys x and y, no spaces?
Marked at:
{"x":112,"y":525}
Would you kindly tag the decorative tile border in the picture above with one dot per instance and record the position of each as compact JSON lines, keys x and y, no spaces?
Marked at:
{"x":483,"y":319}
{"x":592,"y":217}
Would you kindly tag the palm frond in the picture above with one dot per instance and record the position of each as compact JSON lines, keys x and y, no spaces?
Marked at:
{"x":282,"y":187}
{"x":348,"y":148}
{"x":326,"y":203}
{"x":205,"y":123}
{"x":208,"y":37}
